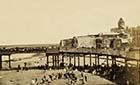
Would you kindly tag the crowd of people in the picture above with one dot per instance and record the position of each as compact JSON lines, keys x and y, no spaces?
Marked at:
{"x":69,"y":74}
{"x":122,"y":75}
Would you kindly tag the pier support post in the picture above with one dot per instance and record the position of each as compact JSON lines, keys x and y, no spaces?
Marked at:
{"x":95,"y":60}
{"x":63,"y":59}
{"x":125,"y":62}
{"x":74,"y":60}
{"x":90,"y":60}
{"x":138,"y":64}
{"x":98,"y":60}
{"x":113,"y":60}
{"x":53,"y":59}
{"x":69,"y":59}
{"x":58,"y":60}
{"x":78,"y":60}
{"x":47,"y":59}
{"x":84,"y":60}
{"x":9,"y":61}
{"x":0,"y":62}
{"x":107,"y":61}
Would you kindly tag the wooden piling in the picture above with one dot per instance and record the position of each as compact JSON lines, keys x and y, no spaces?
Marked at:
{"x":57,"y":60}
{"x":63,"y":59}
{"x":113,"y":60}
{"x":47,"y":59}
{"x":126,"y":62}
{"x":90,"y":61}
{"x":69,"y":59}
{"x":0,"y":62}
{"x":9,"y":61}
{"x":84,"y":59}
{"x":74,"y":60}
{"x":53,"y":60}
{"x":107,"y":61}
{"x":98,"y":59}
{"x":78,"y":60}
{"x":95,"y":59}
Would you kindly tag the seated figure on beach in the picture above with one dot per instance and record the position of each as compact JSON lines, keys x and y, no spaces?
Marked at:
{"x":49,"y":80}
{"x":42,"y":81}
{"x":34,"y":81}
{"x":45,"y":78}
{"x":25,"y":66}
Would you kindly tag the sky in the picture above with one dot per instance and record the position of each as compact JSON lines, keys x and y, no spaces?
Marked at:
{"x":49,"y":21}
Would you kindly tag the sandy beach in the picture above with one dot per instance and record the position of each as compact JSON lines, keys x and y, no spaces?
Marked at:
{"x":25,"y":77}
{"x":12,"y":77}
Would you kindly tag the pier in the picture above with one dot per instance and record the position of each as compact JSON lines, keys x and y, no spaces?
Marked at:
{"x":56,"y":52}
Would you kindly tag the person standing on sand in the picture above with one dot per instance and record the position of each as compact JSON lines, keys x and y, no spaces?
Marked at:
{"x":86,"y":78}
{"x":25,"y":66}
{"x":36,"y":81}
{"x":83,"y":78}
{"x":18,"y":68}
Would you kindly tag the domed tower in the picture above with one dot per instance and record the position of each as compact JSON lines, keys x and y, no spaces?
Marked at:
{"x":121,"y":27}
{"x":121,"y":24}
